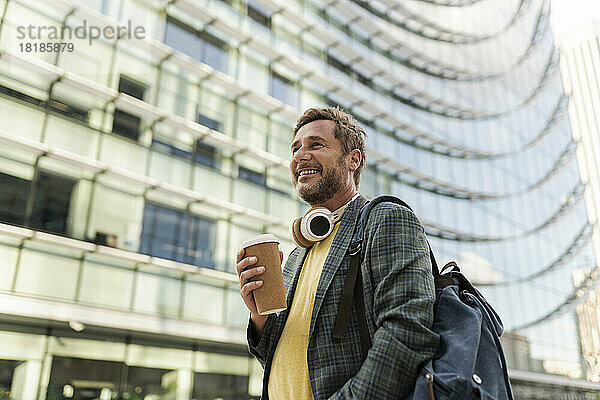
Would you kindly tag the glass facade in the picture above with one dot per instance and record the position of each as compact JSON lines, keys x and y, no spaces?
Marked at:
{"x":178,"y":236}
{"x":580,"y":50}
{"x":133,"y":166}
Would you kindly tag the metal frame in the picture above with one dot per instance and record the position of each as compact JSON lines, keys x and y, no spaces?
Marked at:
{"x":26,"y":234}
{"x":101,"y":168}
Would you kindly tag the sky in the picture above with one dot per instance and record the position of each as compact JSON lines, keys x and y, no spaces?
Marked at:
{"x":569,"y":14}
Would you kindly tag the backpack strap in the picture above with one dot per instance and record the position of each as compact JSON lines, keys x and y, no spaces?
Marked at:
{"x":353,"y":289}
{"x":353,"y":285}
{"x":364,"y":216}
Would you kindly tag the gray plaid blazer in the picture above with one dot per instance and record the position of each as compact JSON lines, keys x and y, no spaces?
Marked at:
{"x":399,"y":299}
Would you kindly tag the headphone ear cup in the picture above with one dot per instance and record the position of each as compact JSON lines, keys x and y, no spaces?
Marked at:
{"x":297,"y":234}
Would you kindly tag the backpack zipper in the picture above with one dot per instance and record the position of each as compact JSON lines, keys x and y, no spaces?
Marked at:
{"x":429,"y":379}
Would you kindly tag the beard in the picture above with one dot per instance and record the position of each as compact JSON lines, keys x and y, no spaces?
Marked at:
{"x":324,"y":189}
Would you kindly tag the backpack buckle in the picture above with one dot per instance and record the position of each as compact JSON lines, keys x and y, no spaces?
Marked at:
{"x":354,"y":248}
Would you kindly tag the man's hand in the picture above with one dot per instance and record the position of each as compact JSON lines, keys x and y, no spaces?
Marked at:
{"x":246,"y":270}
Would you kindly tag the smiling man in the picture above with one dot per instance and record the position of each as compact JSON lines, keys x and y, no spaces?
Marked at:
{"x":296,"y":348}
{"x":321,"y":164}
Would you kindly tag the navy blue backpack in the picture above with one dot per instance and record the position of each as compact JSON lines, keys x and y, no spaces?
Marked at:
{"x":469,"y":362}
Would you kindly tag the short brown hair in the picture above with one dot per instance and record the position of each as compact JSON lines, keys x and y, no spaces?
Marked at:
{"x":347,"y":130}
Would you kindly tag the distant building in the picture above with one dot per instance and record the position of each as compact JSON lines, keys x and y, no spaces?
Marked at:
{"x":580,"y":68}
{"x":588,"y":319}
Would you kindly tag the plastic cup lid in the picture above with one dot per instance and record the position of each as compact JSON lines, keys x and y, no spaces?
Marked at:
{"x":264,"y":238}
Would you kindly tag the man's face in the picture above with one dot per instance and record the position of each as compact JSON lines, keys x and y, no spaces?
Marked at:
{"x":318,"y":166}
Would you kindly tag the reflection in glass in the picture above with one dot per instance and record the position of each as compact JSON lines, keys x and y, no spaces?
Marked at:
{"x":13,"y":199}
{"x":201,"y":46}
{"x":124,"y":123}
{"x":7,"y":369}
{"x":83,"y":379}
{"x":283,"y":89}
{"x":178,"y":236}
{"x":227,"y":387}
{"x":51,"y":205}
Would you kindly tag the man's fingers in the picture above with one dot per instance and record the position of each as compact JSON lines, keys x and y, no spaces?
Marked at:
{"x":244,"y":264}
{"x":280,"y":256}
{"x":247,"y":289}
{"x":249,"y":273}
{"x":240,"y":255}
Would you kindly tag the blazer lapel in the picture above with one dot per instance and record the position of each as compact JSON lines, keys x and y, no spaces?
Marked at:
{"x":338,"y":249}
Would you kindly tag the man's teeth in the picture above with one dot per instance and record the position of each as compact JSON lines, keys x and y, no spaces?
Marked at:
{"x":308,"y":171}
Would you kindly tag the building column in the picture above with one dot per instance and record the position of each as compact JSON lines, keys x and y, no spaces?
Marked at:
{"x":182,"y":378}
{"x":26,"y":380}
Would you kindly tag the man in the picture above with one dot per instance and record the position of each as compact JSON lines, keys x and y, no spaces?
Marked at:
{"x":300,"y":358}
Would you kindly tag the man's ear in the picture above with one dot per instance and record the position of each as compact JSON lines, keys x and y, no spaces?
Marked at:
{"x":355,"y":157}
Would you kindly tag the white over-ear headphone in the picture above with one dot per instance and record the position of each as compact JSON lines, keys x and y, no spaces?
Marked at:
{"x":315,"y":225}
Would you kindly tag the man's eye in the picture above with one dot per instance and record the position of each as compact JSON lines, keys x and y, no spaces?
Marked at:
{"x":313,"y":145}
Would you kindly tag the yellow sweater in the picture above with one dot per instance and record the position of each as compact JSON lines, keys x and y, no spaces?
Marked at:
{"x":289,"y":377}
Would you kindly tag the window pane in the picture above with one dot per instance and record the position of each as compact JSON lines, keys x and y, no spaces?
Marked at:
{"x":175,"y":235}
{"x":167,"y":168}
{"x":209,"y":122}
{"x":214,"y":53}
{"x":25,"y":121}
{"x":47,"y":275}
{"x":7,"y":368}
{"x":219,"y":184}
{"x":71,"y":136}
{"x":106,"y":285}
{"x":202,"y":247}
{"x":183,"y":40}
{"x":169,"y":148}
{"x":201,"y":46}
{"x":259,"y":14}
{"x":124,"y":154}
{"x":88,"y":379}
{"x":51,"y":205}
{"x":13,"y":199}
{"x":158,"y":231}
{"x":249,"y":195}
{"x":67,"y":110}
{"x":205,"y":154}
{"x":252,"y":176}
{"x":237,"y":313}
{"x":157,"y":294}
{"x":180,"y":241}
{"x":115,"y":217}
{"x":147,"y":383}
{"x":126,"y":124}
{"x":213,"y":386}
{"x":203,"y":302}
{"x":282,"y":89}
{"x":131,"y":87}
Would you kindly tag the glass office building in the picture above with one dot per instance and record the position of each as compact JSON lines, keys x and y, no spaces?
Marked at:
{"x":580,"y":50}
{"x":142,"y":140}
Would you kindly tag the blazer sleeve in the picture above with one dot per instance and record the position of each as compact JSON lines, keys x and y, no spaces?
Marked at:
{"x":398,"y":264}
{"x":258,"y":347}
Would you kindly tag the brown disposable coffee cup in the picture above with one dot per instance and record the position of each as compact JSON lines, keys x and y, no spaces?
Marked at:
{"x":270,"y":297}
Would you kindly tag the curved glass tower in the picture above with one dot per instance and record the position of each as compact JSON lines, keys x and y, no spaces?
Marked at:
{"x":143,"y":140}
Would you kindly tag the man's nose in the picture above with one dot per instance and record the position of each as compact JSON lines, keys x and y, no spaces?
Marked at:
{"x":301,"y":154}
